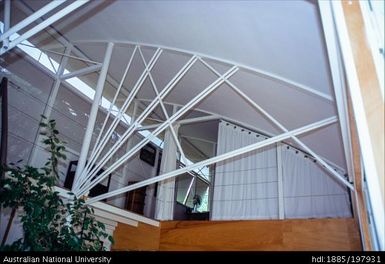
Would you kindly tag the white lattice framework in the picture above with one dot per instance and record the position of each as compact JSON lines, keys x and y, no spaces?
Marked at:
{"x":100,"y":157}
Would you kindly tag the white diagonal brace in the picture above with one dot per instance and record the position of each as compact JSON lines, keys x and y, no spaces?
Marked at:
{"x":49,"y":21}
{"x":189,"y":189}
{"x":198,"y":98}
{"x":93,"y":114}
{"x":278,"y":124}
{"x":32,"y":18}
{"x":164,"y":125}
{"x":128,"y":101}
{"x":81,"y":72}
{"x":222,"y":157}
{"x":150,"y":108}
{"x":174,"y":135}
{"x":101,"y":144}
{"x":113,"y":103}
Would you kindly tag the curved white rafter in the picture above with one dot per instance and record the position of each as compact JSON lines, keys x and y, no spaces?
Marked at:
{"x":262,"y":73}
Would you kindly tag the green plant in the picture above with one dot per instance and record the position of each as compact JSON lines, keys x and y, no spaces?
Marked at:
{"x":49,"y":224}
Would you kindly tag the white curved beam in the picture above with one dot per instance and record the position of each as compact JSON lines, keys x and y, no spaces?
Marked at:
{"x":262,"y":73}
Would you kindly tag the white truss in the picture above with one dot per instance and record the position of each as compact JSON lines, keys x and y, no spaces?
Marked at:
{"x":102,"y":154}
{"x":86,"y":174}
{"x":9,"y":44}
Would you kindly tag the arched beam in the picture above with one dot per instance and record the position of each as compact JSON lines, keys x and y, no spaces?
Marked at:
{"x":262,"y":73}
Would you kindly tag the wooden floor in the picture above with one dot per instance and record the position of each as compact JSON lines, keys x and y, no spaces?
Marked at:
{"x":315,"y":234}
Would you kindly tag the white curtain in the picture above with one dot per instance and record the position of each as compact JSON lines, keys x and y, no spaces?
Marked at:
{"x":245,"y":187}
{"x":165,"y":200}
{"x":309,"y":192}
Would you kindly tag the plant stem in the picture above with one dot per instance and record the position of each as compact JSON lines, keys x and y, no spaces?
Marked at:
{"x":10,"y":221}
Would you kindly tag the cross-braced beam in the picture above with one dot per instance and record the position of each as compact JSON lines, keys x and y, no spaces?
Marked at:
{"x":198,"y":98}
{"x":39,"y":27}
{"x":99,"y":147}
{"x":93,"y":113}
{"x":222,"y":157}
{"x":174,"y":135}
{"x":141,"y":118}
{"x":167,"y":89}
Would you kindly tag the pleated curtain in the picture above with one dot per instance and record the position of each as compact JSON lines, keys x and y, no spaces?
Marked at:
{"x":309,"y":191}
{"x":246,"y":187}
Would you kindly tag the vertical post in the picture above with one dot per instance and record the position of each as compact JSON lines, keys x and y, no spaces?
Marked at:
{"x":7,"y":21}
{"x":93,"y":114}
{"x":130,"y":142}
{"x":4,"y":145}
{"x":150,"y":199}
{"x":164,"y":208}
{"x":4,"y":123}
{"x":51,"y":101}
{"x":281,"y":212}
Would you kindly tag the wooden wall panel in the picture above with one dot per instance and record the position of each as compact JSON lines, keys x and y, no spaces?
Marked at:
{"x":315,"y":234}
{"x":369,"y":85}
{"x":141,"y":238}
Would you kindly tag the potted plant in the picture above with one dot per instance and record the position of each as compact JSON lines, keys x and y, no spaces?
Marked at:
{"x":49,"y":224}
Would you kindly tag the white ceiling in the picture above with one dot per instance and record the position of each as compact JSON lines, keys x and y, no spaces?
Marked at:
{"x":283,"y":38}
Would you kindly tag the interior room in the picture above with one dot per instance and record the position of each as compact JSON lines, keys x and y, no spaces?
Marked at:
{"x":203,"y":125}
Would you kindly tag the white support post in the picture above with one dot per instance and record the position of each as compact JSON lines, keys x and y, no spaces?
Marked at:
{"x":7,"y":23}
{"x":227,"y":155}
{"x":81,"y":72}
{"x":325,"y":165}
{"x":281,"y":205}
{"x":28,"y":20}
{"x":203,"y":94}
{"x":51,"y":101}
{"x":165,"y":201}
{"x":93,"y":114}
{"x":49,"y":21}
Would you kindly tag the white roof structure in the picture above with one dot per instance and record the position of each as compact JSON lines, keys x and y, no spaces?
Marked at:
{"x":263,"y":65}
{"x":278,"y":44}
